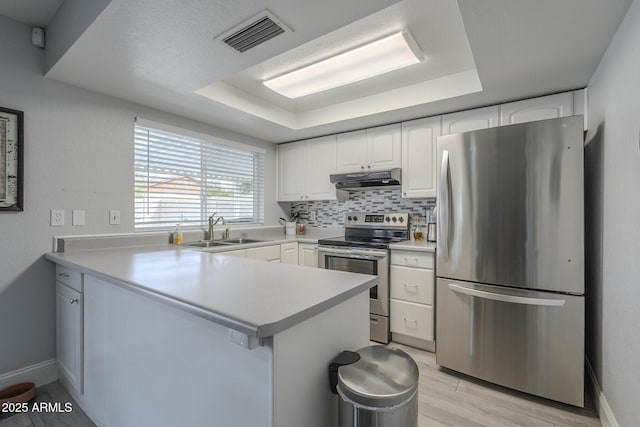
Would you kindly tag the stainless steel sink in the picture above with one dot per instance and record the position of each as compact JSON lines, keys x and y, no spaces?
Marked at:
{"x":240,"y":241}
{"x":207,"y":244}
{"x":215,"y":243}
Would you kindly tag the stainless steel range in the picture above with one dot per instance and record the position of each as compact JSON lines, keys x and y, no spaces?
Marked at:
{"x":365,"y":249}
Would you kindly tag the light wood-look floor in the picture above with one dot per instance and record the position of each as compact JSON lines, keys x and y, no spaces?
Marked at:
{"x":446,"y":398}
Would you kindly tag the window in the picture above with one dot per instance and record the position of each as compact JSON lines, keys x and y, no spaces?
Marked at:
{"x":184,"y":179}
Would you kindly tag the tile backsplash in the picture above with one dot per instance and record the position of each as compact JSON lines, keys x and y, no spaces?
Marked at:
{"x":331,"y":213}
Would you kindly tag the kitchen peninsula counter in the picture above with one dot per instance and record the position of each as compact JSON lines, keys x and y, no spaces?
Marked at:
{"x":256,"y":298}
{"x":164,"y":336}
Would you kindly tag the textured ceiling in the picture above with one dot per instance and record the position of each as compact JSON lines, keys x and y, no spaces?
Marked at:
{"x":158,"y":54}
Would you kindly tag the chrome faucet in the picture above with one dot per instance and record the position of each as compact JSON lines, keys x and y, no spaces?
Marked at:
{"x":213,"y":221}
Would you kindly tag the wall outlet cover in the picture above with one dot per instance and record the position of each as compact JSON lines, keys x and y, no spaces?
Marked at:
{"x":77,"y":217}
{"x":57,"y":217}
{"x":114,"y":217}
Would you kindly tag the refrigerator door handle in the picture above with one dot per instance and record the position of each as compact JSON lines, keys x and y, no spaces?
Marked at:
{"x":444,"y":207}
{"x":507,"y":298}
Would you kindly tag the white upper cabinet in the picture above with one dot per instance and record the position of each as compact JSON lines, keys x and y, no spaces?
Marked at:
{"x":419,"y":157}
{"x":352,"y":151}
{"x":372,"y":149}
{"x":464,"y":121}
{"x":545,"y":107}
{"x":304,"y":168}
{"x":384,"y":147}
{"x":321,"y":162}
{"x":291,"y":171}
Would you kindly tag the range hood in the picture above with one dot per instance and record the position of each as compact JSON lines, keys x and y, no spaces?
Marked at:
{"x":364,"y":180}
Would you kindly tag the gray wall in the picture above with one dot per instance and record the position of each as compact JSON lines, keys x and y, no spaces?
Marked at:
{"x":78,"y":155}
{"x":612,"y":166}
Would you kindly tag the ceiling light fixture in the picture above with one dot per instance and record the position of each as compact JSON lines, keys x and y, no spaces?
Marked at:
{"x":389,"y":53}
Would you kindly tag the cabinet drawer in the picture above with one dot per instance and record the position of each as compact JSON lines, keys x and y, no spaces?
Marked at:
{"x":265,"y":253}
{"x":412,"y":284}
{"x":71,"y":278}
{"x":414,"y":320}
{"x":412,"y":259}
{"x":238,"y":253}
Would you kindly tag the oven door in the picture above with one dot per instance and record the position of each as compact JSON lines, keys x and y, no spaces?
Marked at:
{"x":364,"y":261}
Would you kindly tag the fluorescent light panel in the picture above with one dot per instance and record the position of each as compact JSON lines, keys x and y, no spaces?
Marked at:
{"x":389,"y":53}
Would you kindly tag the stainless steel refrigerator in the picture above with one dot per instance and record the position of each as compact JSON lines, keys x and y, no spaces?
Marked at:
{"x":510,"y":257}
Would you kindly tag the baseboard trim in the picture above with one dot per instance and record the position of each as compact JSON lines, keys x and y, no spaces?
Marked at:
{"x":41,"y":373}
{"x":607,"y":419}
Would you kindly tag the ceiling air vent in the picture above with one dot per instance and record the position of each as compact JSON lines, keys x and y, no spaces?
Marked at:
{"x":253,"y":32}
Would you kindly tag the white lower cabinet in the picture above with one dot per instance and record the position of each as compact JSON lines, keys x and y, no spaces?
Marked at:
{"x":308,"y":254}
{"x":264,"y":253}
{"x":70,"y":327}
{"x":411,"y":319}
{"x":289,"y":253}
{"x":412,"y":298}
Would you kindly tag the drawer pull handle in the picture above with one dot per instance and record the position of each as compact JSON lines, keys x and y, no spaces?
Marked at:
{"x":411,"y":260}
{"x":410,"y":322}
{"x":409,"y":286}
{"x":65,"y":275}
{"x":373,"y":320}
{"x":73,"y":301}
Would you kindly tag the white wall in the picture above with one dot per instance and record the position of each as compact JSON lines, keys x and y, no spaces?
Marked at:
{"x":78,"y":155}
{"x":612,"y":166}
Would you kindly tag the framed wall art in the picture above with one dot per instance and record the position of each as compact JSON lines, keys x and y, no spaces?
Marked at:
{"x":11,"y":159}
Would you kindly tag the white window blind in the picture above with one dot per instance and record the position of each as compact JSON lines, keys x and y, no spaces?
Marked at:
{"x":183,"y":179}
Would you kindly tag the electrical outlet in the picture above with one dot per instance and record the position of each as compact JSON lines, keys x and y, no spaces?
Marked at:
{"x":313,"y":215}
{"x":57,"y":217}
{"x":77,"y":217}
{"x":114,"y":217}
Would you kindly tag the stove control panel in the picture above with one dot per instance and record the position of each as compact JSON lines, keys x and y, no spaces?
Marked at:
{"x":377,"y":220}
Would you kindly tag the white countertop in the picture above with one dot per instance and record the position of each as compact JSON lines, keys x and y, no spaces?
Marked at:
{"x":254,"y":297}
{"x":412,"y":245}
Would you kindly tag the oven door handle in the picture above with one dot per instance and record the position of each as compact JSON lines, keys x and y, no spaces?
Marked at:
{"x":353,"y":253}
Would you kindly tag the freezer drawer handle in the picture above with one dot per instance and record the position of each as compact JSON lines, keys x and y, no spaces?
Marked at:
{"x":507,"y":298}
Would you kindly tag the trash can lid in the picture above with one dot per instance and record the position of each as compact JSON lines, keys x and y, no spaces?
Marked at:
{"x":383,"y":377}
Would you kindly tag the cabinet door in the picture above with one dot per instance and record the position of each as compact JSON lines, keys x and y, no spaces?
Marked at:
{"x":242,"y":253}
{"x":321,"y":162}
{"x":544,"y":107}
{"x":289,"y":253}
{"x":419,"y":157}
{"x":351,"y":151}
{"x":264,"y":253}
{"x":384,"y":147}
{"x":308,"y":255}
{"x":69,"y":334}
{"x":480,"y":118}
{"x":291,"y":171}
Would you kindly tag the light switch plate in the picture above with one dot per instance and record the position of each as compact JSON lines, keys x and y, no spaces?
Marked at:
{"x":313,"y":215}
{"x":77,"y":217}
{"x":57,"y":217}
{"x":114,"y":217}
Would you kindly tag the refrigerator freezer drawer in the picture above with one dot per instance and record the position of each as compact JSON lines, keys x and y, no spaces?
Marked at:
{"x":527,"y":340}
{"x":414,"y":320}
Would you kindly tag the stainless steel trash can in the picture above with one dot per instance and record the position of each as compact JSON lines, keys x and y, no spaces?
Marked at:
{"x":380,"y":389}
